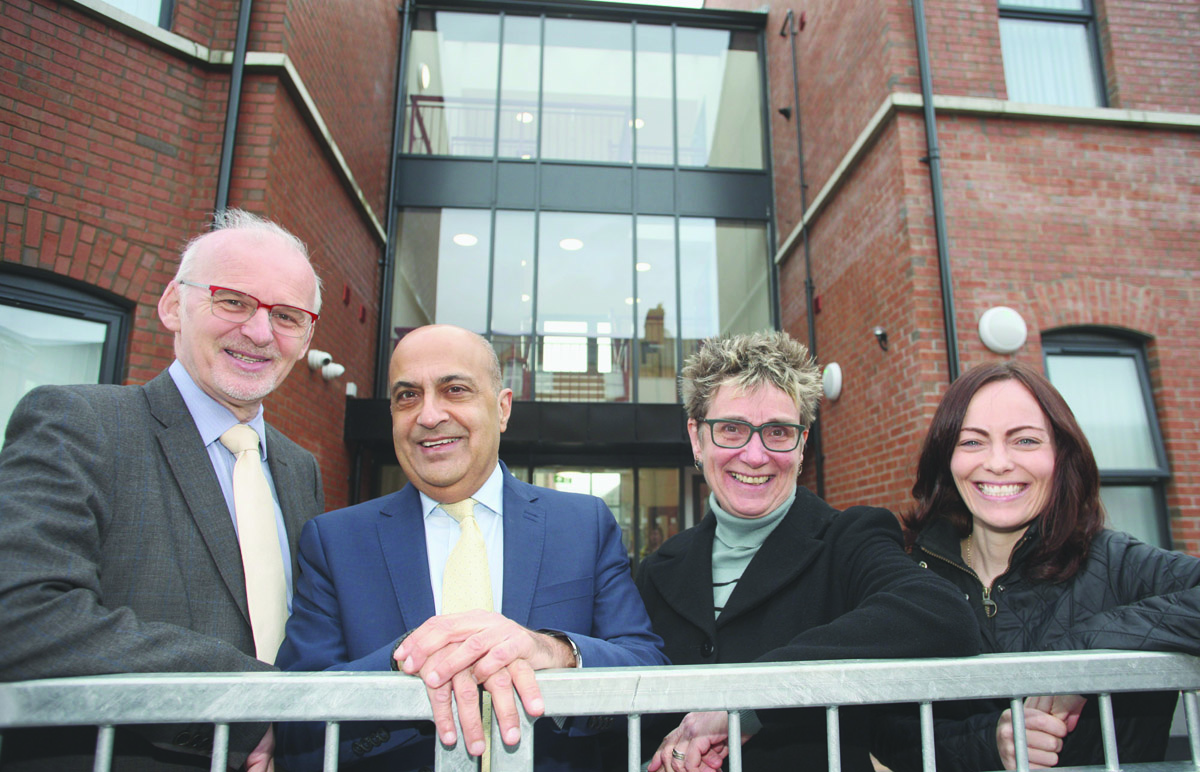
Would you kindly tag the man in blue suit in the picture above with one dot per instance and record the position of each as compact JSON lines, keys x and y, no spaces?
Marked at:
{"x":370,"y":590}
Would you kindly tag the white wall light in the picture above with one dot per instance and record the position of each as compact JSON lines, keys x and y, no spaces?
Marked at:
{"x":1002,"y":330}
{"x":831,"y":381}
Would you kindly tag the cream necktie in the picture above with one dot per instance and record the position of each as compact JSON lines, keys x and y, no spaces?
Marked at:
{"x":467,"y":585}
{"x":266,"y":594}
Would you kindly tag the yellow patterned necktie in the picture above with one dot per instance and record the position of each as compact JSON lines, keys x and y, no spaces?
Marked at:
{"x":467,"y":585}
{"x":262,"y":561}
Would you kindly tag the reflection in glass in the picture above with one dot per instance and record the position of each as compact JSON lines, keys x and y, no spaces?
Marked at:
{"x":658,"y":508}
{"x":614,"y":486}
{"x":1114,"y":418}
{"x":654,"y":124}
{"x":40,"y":349}
{"x":1048,"y":63}
{"x":441,"y":269}
{"x":657,"y":311}
{"x":451,"y":84}
{"x":584,"y":308}
{"x":520,"y":82}
{"x":1131,"y":508}
{"x":724,"y":279}
{"x":719,"y":99}
{"x":512,"y":300}
{"x":588,"y":83}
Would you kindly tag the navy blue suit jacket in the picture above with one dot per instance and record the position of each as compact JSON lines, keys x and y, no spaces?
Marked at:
{"x":364,"y":582}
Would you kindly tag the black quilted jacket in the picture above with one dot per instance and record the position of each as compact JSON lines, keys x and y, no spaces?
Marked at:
{"x":1128,"y":595}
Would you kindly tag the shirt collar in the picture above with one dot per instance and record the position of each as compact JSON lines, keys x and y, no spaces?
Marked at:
{"x":490,"y":494}
{"x":211,"y":417}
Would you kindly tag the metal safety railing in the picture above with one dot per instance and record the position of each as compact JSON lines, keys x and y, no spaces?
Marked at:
{"x":223,"y":699}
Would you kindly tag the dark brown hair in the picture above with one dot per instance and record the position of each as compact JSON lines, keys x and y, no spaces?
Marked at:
{"x":1072,"y":515}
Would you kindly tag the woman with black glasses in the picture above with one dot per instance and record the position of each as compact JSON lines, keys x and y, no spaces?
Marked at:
{"x":773,"y":573}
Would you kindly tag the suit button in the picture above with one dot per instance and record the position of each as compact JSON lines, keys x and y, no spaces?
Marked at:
{"x":707,"y":649}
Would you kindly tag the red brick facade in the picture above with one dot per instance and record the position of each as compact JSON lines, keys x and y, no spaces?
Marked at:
{"x":110,"y":144}
{"x":1072,"y":222}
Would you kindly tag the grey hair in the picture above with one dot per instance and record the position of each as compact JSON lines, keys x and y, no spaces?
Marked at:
{"x":240,"y":219}
{"x":765,"y":358}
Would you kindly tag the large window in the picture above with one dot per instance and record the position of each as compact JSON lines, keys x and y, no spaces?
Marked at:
{"x":582,"y":307}
{"x":1050,"y":52}
{"x":1120,"y":423}
{"x":51,"y":334}
{"x":536,"y":87}
{"x":157,"y":12}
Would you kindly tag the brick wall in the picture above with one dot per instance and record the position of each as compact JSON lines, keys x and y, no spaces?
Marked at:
{"x":109,"y":150}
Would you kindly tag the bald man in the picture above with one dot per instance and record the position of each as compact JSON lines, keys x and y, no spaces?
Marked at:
{"x":374,"y":577}
{"x":119,"y":544}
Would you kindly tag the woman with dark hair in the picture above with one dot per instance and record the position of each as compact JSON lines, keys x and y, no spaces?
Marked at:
{"x":1008,"y":509}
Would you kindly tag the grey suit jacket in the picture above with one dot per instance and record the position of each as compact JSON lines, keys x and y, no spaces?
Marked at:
{"x":118,"y":555}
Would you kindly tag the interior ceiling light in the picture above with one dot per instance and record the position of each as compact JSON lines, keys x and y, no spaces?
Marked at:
{"x":465,"y":239}
{"x":524,"y":298}
{"x":571,"y":245}
{"x":524,"y":117}
{"x":425,"y":76}
{"x":642,"y":267}
{"x":637,"y":123}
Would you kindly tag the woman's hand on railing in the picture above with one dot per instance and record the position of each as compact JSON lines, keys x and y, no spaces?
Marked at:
{"x":702,"y":739}
{"x":262,"y":758}
{"x":1048,"y":720}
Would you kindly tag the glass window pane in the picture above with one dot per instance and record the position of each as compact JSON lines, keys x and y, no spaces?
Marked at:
{"x":441,"y":269}
{"x":1132,"y":509}
{"x":657,"y":311}
{"x":658,"y":508}
{"x":584,"y":307}
{"x":1115,"y":418}
{"x":1048,"y":63}
{"x":452,"y":74}
{"x":723,"y":279}
{"x":146,"y":10}
{"x":614,"y":486}
{"x":654,"y":124}
{"x":40,"y":349}
{"x":520,"y":79}
{"x":719,"y":99}
{"x":587,"y":108}
{"x":1054,"y":5}
{"x":512,"y":300}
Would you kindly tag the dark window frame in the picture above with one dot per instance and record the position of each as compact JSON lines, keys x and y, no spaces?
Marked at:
{"x":1085,"y":17}
{"x":1090,"y":341}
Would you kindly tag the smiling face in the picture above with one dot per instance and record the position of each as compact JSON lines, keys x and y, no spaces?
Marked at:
{"x":750,"y":481}
{"x":1003,"y":462}
{"x":236,"y":364}
{"x":446,"y":414}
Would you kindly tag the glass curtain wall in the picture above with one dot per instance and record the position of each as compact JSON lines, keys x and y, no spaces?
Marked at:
{"x":524,"y":87}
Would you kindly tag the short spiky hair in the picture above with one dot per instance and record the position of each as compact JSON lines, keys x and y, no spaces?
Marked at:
{"x":765,"y":358}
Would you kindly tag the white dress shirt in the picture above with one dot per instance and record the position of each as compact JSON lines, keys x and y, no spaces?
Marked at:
{"x":442,"y":532}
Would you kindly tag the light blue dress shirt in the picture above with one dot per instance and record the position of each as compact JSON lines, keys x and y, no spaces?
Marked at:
{"x":442,"y":532}
{"x":212,"y":420}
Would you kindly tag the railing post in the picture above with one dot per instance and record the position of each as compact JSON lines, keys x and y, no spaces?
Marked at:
{"x":104,"y":748}
{"x":220,"y":748}
{"x":833,"y":738}
{"x":1191,"y":707}
{"x":513,"y":758}
{"x":634,"y":743}
{"x":333,"y":739}
{"x":928,"y":752}
{"x":1017,"y":709}
{"x":733,"y":741}
{"x":1108,"y":730}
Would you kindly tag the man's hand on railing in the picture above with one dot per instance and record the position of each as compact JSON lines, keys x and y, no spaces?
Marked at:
{"x":262,"y":758}
{"x":702,"y":739}
{"x":454,"y":653}
{"x":1048,"y":720}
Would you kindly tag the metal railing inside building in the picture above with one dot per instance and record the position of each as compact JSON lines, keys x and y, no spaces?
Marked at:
{"x":223,"y":699}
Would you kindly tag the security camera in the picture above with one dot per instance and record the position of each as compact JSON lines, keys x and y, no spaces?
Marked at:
{"x":318,"y":359}
{"x":881,"y":336}
{"x":331,"y":371}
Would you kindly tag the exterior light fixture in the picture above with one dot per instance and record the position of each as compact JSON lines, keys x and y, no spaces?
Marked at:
{"x":831,"y":381}
{"x":1002,"y":330}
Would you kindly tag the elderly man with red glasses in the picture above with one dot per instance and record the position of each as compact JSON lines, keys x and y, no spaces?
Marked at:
{"x":153,"y":527}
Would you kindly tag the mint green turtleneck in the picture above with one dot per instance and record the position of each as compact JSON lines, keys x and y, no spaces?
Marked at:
{"x":734,"y":545}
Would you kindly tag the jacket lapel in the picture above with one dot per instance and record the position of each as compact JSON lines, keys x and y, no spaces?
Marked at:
{"x":184,"y":453}
{"x":401,"y":530}
{"x":524,"y":543}
{"x":287,"y":489}
{"x":786,"y":553}
{"x":683,"y":575}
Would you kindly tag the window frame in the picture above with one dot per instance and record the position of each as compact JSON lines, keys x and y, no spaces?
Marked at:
{"x":57,"y":295}
{"x":1085,"y":17}
{"x":1110,"y":343}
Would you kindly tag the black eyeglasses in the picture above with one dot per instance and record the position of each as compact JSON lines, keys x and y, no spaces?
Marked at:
{"x":234,"y":306}
{"x":732,"y":434}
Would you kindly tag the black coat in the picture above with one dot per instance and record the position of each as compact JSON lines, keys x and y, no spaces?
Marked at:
{"x":1127,"y":595}
{"x":824,"y":585}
